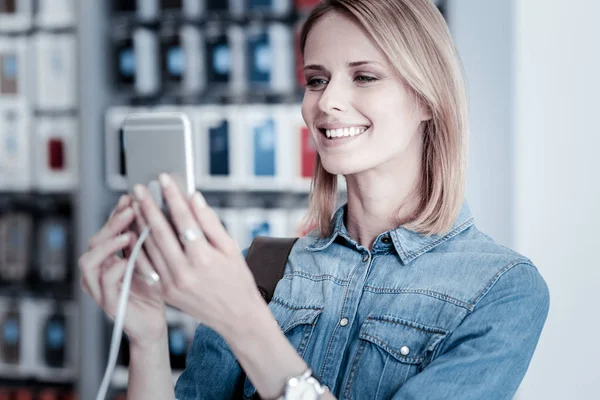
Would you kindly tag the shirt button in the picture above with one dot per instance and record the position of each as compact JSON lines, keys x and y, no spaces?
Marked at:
{"x":404,"y":350}
{"x":344,"y":321}
{"x":365,"y":257}
{"x":386,"y":240}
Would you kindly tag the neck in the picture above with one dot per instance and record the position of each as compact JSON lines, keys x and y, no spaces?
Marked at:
{"x":379,"y":202}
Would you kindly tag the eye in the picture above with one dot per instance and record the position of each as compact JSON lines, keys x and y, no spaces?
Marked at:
{"x":315,"y":82}
{"x":365,"y":78}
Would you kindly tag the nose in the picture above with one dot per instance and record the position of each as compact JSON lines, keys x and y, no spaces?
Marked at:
{"x":334,"y":98}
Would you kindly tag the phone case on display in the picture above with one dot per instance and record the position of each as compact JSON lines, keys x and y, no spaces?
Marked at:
{"x":57,"y":154}
{"x":56,"y":71}
{"x":309,"y":153}
{"x":260,"y":53}
{"x":147,"y":61}
{"x":270,"y":58}
{"x":52,"y":249}
{"x":219,"y":149}
{"x":224,"y":56}
{"x":172,"y":55}
{"x":264,"y":148}
{"x":11,"y":337}
{"x":194,"y":74}
{"x":125,"y":61}
{"x":15,"y":146}
{"x":218,"y":57}
{"x":16,"y":68}
{"x":55,"y":339}
{"x":15,"y":239}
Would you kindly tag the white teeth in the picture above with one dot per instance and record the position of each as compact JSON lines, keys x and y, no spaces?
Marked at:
{"x":344,"y":132}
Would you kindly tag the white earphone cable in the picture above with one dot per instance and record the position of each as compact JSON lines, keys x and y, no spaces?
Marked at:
{"x":120,"y":316}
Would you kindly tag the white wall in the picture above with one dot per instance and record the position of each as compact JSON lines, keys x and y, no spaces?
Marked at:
{"x":533,"y":71}
{"x":557,"y":193}
{"x":482,"y":31}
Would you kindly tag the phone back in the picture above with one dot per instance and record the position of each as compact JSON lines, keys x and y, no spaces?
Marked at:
{"x":157,"y":142}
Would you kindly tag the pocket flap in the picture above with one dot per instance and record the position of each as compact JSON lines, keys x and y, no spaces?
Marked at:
{"x":405,"y":340}
{"x":290,"y":316}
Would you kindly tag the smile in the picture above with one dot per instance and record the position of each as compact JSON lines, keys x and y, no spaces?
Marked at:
{"x":343,"y":132}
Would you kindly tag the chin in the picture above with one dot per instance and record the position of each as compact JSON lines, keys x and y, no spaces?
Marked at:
{"x":341,"y":167}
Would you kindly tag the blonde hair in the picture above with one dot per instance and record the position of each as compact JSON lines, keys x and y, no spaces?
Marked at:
{"x":414,"y":36}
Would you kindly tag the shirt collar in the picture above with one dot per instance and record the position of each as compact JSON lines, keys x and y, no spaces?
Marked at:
{"x":408,"y":244}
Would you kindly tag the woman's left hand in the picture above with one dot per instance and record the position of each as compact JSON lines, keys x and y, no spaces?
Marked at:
{"x":207,"y":277}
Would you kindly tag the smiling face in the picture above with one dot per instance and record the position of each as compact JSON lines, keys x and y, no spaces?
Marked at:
{"x":359,"y":112}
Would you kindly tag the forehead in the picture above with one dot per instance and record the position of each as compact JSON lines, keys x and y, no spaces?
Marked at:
{"x":339,"y":35}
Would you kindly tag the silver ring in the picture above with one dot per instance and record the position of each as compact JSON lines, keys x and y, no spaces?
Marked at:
{"x":191,"y":235}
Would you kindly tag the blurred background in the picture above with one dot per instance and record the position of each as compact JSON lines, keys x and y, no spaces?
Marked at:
{"x":71,"y":70}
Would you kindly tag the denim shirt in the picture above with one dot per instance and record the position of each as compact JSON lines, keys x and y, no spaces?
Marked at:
{"x":454,"y":316}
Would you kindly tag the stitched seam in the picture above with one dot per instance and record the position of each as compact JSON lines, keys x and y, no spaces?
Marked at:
{"x":306,"y":339}
{"x":289,"y":252}
{"x":495,"y":279}
{"x":385,"y":364}
{"x":383,"y":345}
{"x":357,"y":357}
{"x":337,"y":325}
{"x":422,"y":328}
{"x":293,"y":306}
{"x":429,"y":293}
{"x":448,"y":236}
{"x":317,"y":278}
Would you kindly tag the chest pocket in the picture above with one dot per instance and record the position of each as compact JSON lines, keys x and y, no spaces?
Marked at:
{"x":391,"y":350}
{"x":297,"y":323}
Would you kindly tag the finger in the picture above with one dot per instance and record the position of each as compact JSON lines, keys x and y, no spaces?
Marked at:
{"x":110,"y":287}
{"x":181,"y":213}
{"x":91,"y":260}
{"x":143,"y":266}
{"x":124,"y":201}
{"x":90,"y":279}
{"x":155,"y":258}
{"x":211,"y":225}
{"x":113,"y":227}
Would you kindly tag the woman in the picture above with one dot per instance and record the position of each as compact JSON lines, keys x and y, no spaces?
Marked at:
{"x":397,"y":296}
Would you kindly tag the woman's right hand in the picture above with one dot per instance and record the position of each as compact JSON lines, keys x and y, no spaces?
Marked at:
{"x":102,"y":274}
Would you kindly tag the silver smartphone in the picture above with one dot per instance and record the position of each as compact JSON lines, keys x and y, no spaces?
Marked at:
{"x":157,"y":142}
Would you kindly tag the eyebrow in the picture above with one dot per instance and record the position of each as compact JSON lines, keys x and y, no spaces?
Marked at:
{"x":353,"y":64}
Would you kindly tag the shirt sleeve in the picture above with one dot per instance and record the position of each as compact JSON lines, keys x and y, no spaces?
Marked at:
{"x":211,"y":369}
{"x":487,"y":355}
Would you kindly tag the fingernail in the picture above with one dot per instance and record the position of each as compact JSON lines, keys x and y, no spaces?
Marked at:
{"x":199,"y":200}
{"x":164,"y":180}
{"x":138,"y":191}
{"x":123,"y":238}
